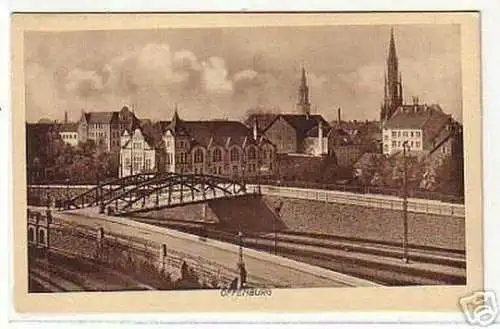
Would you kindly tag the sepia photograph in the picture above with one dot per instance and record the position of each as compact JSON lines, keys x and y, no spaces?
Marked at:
{"x":246,"y":159}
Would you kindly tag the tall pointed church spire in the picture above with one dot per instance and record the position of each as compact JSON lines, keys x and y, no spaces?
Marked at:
{"x":393,"y":92}
{"x":392,"y":48}
{"x":303,"y":104}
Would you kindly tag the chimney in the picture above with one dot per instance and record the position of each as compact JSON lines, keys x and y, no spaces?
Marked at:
{"x":65,"y":116}
{"x":320,"y":136}
{"x":339,"y":118}
{"x":415,"y":103}
{"x":255,"y":129}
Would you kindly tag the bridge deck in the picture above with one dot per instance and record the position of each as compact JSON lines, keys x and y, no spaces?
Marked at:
{"x":269,"y":267}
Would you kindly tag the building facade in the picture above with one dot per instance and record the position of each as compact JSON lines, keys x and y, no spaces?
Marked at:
{"x":137,"y":154}
{"x":105,"y":128}
{"x":417,"y":126}
{"x":223,"y":148}
{"x":69,"y":133}
{"x":296,"y":133}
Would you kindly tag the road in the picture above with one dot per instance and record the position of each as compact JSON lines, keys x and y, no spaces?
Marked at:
{"x":261,"y":266}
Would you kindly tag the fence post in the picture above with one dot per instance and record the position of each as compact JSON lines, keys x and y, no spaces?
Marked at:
{"x":100,"y":241}
{"x":163,"y":258}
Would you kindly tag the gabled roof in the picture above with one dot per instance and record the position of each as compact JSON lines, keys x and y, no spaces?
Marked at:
{"x":263,"y":120}
{"x":147,"y":138}
{"x":415,"y":117}
{"x":68,"y":127}
{"x":314,"y":131}
{"x":218,"y":132}
{"x":303,"y":123}
{"x":101,"y":117}
{"x":208,"y":133}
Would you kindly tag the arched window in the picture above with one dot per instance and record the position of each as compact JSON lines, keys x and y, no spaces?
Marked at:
{"x":251,"y":153}
{"x":41,"y":236}
{"x":235,"y":154}
{"x":198,"y":156}
{"x":217,"y":155}
{"x":31,"y":235}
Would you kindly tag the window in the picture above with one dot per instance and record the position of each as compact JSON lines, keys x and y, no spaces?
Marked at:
{"x":394,"y":144}
{"x":127,"y":162}
{"x":235,"y":154}
{"x":219,"y":170}
{"x":399,"y":133}
{"x":411,"y":134}
{"x":386,"y":147}
{"x":183,"y":157}
{"x":137,"y":163}
{"x":147,"y":164}
{"x":417,"y":133}
{"x":386,"y":137}
{"x":399,"y":143}
{"x":251,"y":153}
{"x":405,"y":134}
{"x":198,"y":156}
{"x":217,"y":155}
{"x":411,"y":144}
{"x":137,"y":145}
{"x":394,"y":134}
{"x":417,"y":144}
{"x":168,"y":159}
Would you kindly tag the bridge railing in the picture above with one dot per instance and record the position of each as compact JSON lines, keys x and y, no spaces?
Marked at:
{"x":374,"y":201}
{"x":356,"y":188}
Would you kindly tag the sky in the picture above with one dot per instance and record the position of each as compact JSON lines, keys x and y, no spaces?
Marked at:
{"x":221,"y":73}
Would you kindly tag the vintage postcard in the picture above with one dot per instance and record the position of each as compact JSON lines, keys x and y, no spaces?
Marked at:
{"x":246,"y":162}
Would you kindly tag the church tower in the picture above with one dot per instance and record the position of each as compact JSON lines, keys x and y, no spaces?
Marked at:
{"x":303,"y":104}
{"x":393,"y":88}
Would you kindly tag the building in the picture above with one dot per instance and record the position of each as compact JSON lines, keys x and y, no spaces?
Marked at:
{"x":419,"y":126}
{"x":295,"y":133}
{"x":69,"y":133}
{"x":137,"y":153}
{"x":106,"y":128}
{"x":219,"y":147}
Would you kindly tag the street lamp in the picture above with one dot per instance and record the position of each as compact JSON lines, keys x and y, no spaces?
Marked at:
{"x":66,"y":206}
{"x":241,"y":263}
{"x":406,"y":258}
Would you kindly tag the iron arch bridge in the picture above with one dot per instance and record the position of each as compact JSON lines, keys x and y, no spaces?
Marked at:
{"x":152,"y":191}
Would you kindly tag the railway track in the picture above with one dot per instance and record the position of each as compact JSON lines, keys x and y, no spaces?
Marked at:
{"x":60,"y":272}
{"x":378,"y":261}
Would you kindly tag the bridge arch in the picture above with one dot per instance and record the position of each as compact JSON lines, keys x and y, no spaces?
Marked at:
{"x":145,"y":192}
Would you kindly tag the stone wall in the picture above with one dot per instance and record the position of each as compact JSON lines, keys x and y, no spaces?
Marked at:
{"x":150,"y":263}
{"x":369,"y":223}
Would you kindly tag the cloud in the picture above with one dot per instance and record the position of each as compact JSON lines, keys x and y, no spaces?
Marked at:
{"x":245,"y":75}
{"x":215,"y":76}
{"x":40,"y":93}
{"x":84,"y":83}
